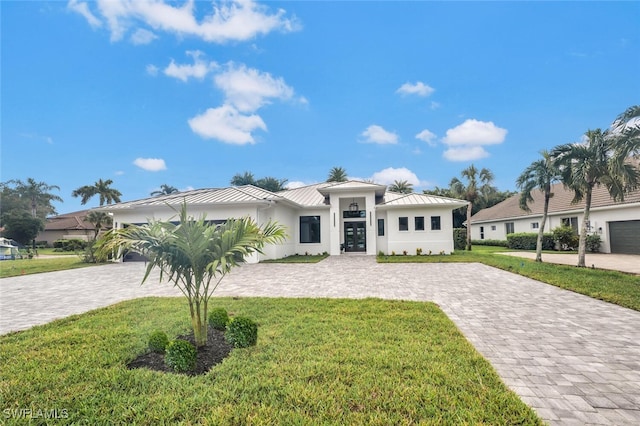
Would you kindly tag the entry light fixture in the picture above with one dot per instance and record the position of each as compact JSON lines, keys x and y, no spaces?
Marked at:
{"x":353,"y":207}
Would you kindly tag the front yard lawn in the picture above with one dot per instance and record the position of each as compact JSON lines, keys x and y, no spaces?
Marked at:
{"x":12,"y":268}
{"x":317,"y":361}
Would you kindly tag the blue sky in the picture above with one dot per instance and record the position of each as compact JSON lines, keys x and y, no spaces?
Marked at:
{"x":190,"y":93}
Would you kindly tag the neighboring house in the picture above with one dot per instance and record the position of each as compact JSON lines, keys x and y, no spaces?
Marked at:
{"x":331,"y":217}
{"x":67,"y":226}
{"x":617,"y":223}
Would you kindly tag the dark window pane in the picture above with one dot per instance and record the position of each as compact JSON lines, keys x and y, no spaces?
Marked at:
{"x":419,"y":223}
{"x":403,"y":224}
{"x":380,"y":227}
{"x":435,"y":223}
{"x":309,"y":229}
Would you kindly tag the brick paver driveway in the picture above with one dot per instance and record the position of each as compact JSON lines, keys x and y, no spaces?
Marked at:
{"x":574,"y":359}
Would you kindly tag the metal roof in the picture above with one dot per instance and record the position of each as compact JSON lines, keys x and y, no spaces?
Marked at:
{"x":395,"y":199}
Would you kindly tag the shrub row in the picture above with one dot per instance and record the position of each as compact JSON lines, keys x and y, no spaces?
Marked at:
{"x":181,"y":355}
{"x":498,"y":243}
{"x":70,"y":245}
{"x":529,"y":240}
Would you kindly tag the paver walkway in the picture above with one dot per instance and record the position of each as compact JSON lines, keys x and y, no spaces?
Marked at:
{"x":574,"y":359}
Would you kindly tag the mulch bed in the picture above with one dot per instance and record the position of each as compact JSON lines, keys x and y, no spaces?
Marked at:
{"x":209,"y":355}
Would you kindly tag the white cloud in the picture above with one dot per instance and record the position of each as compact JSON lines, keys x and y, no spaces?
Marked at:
{"x":83,"y":9}
{"x":199,"y":69}
{"x":119,"y":173}
{"x":142,"y":36}
{"x":376,"y":134}
{"x":418,"y":88}
{"x":248,"y":89}
{"x":150,"y":164}
{"x":236,"y":20}
{"x":390,"y":174}
{"x":474,"y":132}
{"x":227,"y":124}
{"x":466,"y":141}
{"x":427,"y":137}
{"x":152,"y":70}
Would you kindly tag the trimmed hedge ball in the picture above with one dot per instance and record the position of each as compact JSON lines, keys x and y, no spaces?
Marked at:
{"x":181,"y":356}
{"x":218,"y":319}
{"x":158,"y":341}
{"x":242,"y":332}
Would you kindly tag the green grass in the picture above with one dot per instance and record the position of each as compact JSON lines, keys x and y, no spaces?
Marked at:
{"x":611,"y":286}
{"x":12,"y":268}
{"x":317,"y":361}
{"x":298,"y":258}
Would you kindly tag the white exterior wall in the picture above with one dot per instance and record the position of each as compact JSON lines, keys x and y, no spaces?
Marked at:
{"x":325,"y":233}
{"x":599,"y":220}
{"x":382,"y":241}
{"x":428,"y":240}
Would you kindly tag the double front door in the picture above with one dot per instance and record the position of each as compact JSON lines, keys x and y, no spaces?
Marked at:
{"x":355,"y":236}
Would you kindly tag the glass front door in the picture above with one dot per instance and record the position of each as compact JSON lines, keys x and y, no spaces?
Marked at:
{"x":355,"y":236}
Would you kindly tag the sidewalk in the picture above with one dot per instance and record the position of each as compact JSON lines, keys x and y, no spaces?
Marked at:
{"x":629,"y":263}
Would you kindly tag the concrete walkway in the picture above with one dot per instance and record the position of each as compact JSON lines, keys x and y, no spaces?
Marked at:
{"x":629,"y":263}
{"x":574,"y":359}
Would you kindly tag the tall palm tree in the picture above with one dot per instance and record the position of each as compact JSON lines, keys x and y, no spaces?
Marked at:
{"x":99,"y":220}
{"x":478,"y":183}
{"x":38,"y":193}
{"x":193,"y":253}
{"x":164,"y":190}
{"x":401,"y":186}
{"x":540,"y":174}
{"x":102,"y":188}
{"x":601,"y":160}
{"x":271,"y":184}
{"x":337,"y":174}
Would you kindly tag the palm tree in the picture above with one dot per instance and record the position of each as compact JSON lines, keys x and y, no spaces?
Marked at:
{"x":401,"y":186}
{"x":540,"y":174}
{"x":477,"y":185}
{"x":193,"y":253}
{"x":337,"y":174}
{"x":102,"y":188}
{"x":38,"y":193}
{"x":271,"y":184}
{"x":601,"y":160}
{"x":99,"y":220}
{"x":246,"y":178}
{"x":164,"y":190}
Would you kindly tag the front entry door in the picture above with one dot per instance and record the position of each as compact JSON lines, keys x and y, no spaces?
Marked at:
{"x":355,"y":236}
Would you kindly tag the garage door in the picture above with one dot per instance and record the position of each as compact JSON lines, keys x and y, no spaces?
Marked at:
{"x":625,"y":236}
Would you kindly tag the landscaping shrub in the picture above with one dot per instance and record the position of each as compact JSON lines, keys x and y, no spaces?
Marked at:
{"x":218,"y":318}
{"x":242,"y":332}
{"x":158,"y":341}
{"x":69,"y":245}
{"x":181,"y":356}
{"x":459,"y":238}
{"x":565,"y":237}
{"x":593,"y":243}
{"x":497,"y":243}
{"x":528,"y":241}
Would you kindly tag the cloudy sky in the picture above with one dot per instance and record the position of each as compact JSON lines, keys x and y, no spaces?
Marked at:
{"x":190,"y":93}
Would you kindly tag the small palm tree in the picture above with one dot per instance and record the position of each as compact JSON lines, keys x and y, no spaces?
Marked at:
{"x":164,"y":190}
{"x":601,"y":160}
{"x":540,"y":174}
{"x":193,"y":253}
{"x":101,"y":188}
{"x":477,"y":184}
{"x":401,"y":186}
{"x":99,"y":220}
{"x":337,"y":174}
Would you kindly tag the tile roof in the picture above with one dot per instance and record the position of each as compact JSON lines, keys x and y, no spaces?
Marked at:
{"x":74,"y":220}
{"x":560,"y":201}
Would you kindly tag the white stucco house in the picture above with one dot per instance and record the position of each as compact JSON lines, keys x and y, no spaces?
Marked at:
{"x":617,"y":223}
{"x":331,"y":217}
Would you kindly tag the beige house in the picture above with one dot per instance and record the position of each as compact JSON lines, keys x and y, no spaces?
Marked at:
{"x":617,"y":223}
{"x":67,"y":226}
{"x":331,"y":217}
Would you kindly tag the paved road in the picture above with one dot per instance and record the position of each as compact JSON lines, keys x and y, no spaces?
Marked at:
{"x":574,"y":359}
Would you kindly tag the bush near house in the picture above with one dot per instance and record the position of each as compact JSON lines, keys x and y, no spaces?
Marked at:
{"x":493,"y":243}
{"x":69,"y":245}
{"x":565,"y":237}
{"x":593,"y":243}
{"x":529,"y":241}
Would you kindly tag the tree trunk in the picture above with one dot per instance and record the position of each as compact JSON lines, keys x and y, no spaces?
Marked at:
{"x":469,"y":208}
{"x":541,"y":230}
{"x":582,"y":244}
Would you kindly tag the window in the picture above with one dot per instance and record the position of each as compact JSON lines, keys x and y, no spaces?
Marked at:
{"x":435,"y":223}
{"x":380,"y":227}
{"x":403,"y":223}
{"x":482,"y":232}
{"x":419,"y":223}
{"x":535,"y":225}
{"x":493,"y":227}
{"x":309,"y":229}
{"x":572,"y":222}
{"x":508,"y":227}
